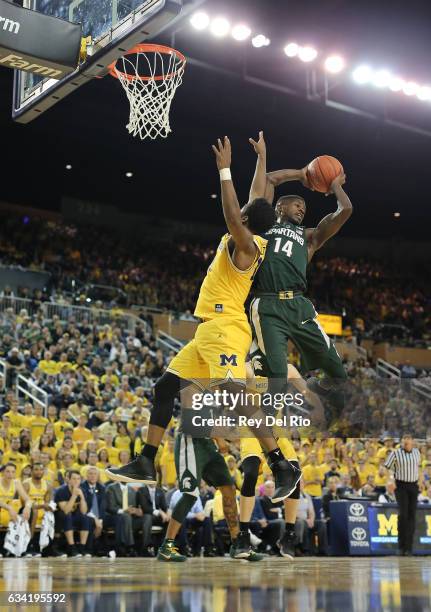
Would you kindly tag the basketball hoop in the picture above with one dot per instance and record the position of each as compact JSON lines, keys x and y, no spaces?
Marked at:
{"x":150,"y":80}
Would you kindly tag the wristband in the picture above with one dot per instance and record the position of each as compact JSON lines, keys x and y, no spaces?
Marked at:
{"x":225,"y":174}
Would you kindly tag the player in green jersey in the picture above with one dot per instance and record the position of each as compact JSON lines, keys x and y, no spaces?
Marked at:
{"x":279,"y":310}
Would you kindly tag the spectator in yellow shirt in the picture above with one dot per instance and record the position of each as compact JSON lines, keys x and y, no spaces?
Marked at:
{"x":110,"y":377}
{"x":67,"y":464}
{"x":364,"y":470}
{"x":52,"y":413}
{"x":61,"y":424}
{"x":140,"y":440}
{"x":37,"y":422}
{"x":381,"y":476}
{"x":49,"y":466}
{"x":14,"y":456}
{"x":47,"y":365}
{"x":17,"y":420}
{"x":109,"y":426}
{"x":95,"y":437}
{"x":91,"y":461}
{"x":135,"y":422}
{"x":167,"y":464}
{"x":113,"y":453}
{"x":67,"y":433}
{"x":9,"y":432}
{"x":28,"y":413}
{"x":122,"y":440}
{"x":218,"y":514}
{"x":304,"y":453}
{"x":46,"y":445}
{"x":76,"y":409}
{"x":234,"y":471}
{"x":81,"y":434}
{"x":103,"y":459}
{"x":68,"y":445}
{"x":124,"y":457}
{"x":313,"y":477}
{"x":388,"y":445}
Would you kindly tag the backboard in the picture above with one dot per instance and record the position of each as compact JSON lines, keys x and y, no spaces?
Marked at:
{"x":114,"y":26}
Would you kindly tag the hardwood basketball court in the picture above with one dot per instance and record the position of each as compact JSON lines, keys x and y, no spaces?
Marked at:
{"x":222,"y":585}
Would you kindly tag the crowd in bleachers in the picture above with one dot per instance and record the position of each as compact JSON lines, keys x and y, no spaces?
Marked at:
{"x":368,"y":293}
{"x":99,"y":383}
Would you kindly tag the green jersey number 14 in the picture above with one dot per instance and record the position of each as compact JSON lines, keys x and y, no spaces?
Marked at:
{"x":286,"y":248}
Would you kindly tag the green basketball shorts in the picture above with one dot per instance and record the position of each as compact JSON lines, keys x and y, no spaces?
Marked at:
{"x":197,"y":459}
{"x":274,"y":322}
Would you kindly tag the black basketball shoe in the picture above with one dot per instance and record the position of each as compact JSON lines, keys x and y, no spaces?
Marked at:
{"x":140,"y":469}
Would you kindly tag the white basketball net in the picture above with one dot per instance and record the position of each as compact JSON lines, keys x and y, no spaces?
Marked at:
{"x":150,"y":98}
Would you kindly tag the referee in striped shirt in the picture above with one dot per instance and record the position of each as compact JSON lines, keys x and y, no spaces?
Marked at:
{"x":404,"y":463}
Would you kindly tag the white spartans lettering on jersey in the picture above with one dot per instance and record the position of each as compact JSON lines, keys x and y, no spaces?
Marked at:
{"x":286,"y":231}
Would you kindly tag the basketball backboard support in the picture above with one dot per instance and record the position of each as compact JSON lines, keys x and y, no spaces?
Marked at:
{"x":115,"y":26}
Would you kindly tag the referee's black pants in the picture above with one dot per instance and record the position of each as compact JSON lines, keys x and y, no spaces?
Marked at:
{"x":407,"y":498}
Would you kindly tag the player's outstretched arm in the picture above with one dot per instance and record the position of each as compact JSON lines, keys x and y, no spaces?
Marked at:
{"x":332,"y":223}
{"x":245,"y":248}
{"x":258,"y":186}
{"x":278,"y":177}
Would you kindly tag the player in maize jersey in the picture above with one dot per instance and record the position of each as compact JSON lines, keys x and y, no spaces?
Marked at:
{"x":217,"y":354}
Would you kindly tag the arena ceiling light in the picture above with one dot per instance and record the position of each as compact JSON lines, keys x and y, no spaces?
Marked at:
{"x":381,"y":78}
{"x":362,"y":74}
{"x":220,"y":27}
{"x":68,"y":166}
{"x":424,"y":93}
{"x":241,"y":32}
{"x":200,"y":20}
{"x":129,"y":174}
{"x":260,"y":40}
{"x":334,"y":64}
{"x":411,"y":88}
{"x":291,"y":49}
{"x":396,"y":84}
{"x":307,"y":54}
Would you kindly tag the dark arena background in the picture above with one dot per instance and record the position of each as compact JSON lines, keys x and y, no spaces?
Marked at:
{"x":106,"y":235}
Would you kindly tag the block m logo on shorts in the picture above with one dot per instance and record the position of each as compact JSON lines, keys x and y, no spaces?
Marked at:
{"x":232,"y":360}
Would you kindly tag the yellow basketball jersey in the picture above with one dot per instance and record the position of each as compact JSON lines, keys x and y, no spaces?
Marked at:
{"x":37,"y":495}
{"x":225,"y":287}
{"x":7,"y":495}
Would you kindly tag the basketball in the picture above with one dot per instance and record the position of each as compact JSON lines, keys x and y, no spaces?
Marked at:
{"x":322,"y":171}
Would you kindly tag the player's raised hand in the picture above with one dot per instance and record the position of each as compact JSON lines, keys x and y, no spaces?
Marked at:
{"x":338,"y":181}
{"x":304,"y":179}
{"x":259,"y":146}
{"x":223,"y":153}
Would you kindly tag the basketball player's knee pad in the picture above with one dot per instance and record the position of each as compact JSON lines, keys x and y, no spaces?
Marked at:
{"x":183,"y":507}
{"x":165,"y":391}
{"x":250,"y":468}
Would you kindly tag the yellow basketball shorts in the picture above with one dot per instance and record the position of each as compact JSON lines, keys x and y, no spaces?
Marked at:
{"x":217,"y":352}
{"x":250,"y":447}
